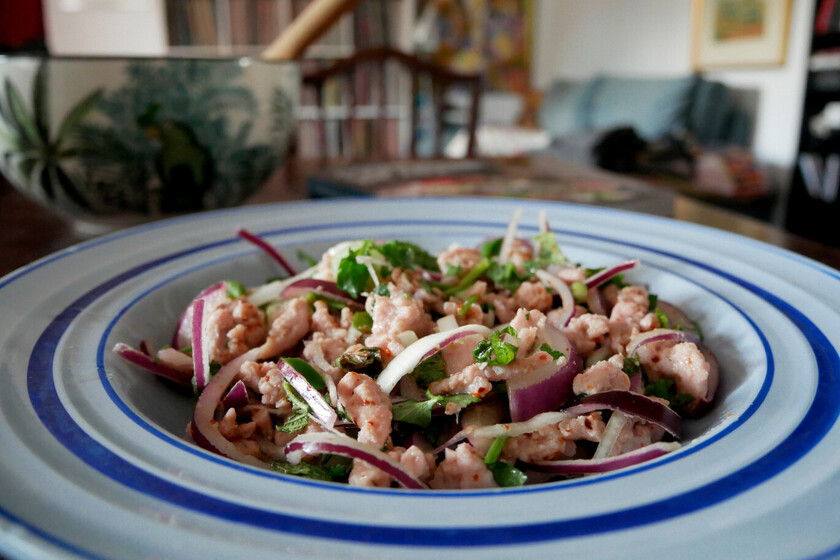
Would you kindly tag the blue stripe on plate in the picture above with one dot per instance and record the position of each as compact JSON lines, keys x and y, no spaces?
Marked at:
{"x":821,"y":416}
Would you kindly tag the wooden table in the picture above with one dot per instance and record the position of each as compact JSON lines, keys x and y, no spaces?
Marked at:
{"x":29,"y":231}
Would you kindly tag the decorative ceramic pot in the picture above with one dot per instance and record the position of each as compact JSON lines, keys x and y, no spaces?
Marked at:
{"x":141,"y":138}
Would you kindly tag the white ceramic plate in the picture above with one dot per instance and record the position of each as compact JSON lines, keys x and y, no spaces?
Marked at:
{"x":95,"y":464}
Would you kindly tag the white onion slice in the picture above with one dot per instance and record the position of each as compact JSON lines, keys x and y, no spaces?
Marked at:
{"x":610,"y":436}
{"x":408,"y":359}
{"x":272,"y":291}
{"x":600,"y":277}
{"x":313,"y":398}
{"x":566,"y":311}
{"x":510,"y":236}
{"x":339,"y":444}
{"x":200,"y":350}
{"x":594,"y":466}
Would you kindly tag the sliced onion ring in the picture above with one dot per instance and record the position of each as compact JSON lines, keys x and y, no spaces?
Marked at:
{"x":304,"y":286}
{"x":548,"y":387}
{"x":146,"y":362}
{"x":204,"y":428}
{"x":566,"y":311}
{"x":600,"y":277}
{"x":265,"y":246}
{"x":313,"y":398}
{"x":594,"y":466}
{"x":339,"y":444}
{"x":237,"y":397}
{"x":632,"y":404}
{"x":200,"y":350}
{"x":408,"y":359}
{"x":658,"y":335}
{"x":213,"y":296}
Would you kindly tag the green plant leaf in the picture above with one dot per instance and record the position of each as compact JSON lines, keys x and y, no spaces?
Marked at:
{"x":40,"y":108}
{"x":24,"y":123}
{"x":75,"y":116}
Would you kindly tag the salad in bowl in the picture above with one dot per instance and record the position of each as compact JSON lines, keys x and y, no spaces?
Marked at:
{"x":383,"y":365}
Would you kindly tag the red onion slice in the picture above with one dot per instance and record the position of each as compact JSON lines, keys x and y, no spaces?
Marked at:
{"x":304,"y":286}
{"x":265,"y":246}
{"x":200,"y":350}
{"x":596,"y":302}
{"x":313,"y":398}
{"x":549,"y":387}
{"x":658,"y":335}
{"x":338,"y":444}
{"x":148,"y":363}
{"x":600,"y":277}
{"x":427,"y":346}
{"x":237,"y":397}
{"x":632,"y":404}
{"x":566,"y":311}
{"x":595,"y":466}
{"x":204,"y":428}
{"x":213,"y":296}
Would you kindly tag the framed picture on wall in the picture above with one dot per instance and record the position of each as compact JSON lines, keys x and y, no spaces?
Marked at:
{"x":740,"y":33}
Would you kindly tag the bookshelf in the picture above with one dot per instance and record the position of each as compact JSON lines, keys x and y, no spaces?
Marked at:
{"x":813,"y":202}
{"x":246,"y":27}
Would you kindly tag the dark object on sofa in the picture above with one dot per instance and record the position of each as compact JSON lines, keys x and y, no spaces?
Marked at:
{"x":619,"y":150}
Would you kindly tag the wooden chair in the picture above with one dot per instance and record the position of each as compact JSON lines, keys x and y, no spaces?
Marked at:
{"x":361,"y":89}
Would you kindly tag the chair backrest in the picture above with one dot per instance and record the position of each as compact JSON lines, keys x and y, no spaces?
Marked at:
{"x":361,"y":88}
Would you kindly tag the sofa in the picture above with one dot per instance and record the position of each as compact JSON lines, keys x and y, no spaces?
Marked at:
{"x":704,"y":110}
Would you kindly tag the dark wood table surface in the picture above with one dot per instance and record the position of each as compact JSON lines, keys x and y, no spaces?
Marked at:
{"x":28,"y":231}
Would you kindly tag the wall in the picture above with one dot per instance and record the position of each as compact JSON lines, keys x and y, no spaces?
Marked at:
{"x":579,"y":38}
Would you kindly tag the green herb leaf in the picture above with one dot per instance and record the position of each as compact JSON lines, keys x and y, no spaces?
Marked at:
{"x":307,"y":371}
{"x":506,"y":475}
{"x":408,"y":255}
{"x":382,"y":290}
{"x":364,"y":360}
{"x":548,"y":250}
{"x":663,"y":319}
{"x":353,"y":278}
{"x":308,"y":470}
{"x":495,"y":351}
{"x":429,"y":370}
{"x":507,"y":275}
{"x":631,"y":365}
{"x":419,"y":413}
{"x":235,"y":289}
{"x":555,"y":354}
{"x":306,"y":258}
{"x":653,"y":299}
{"x":332,"y":304}
{"x":492,"y":248}
{"x":300,"y":411}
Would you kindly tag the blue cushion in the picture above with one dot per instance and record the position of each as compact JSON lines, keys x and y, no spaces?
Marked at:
{"x":652,"y":106}
{"x":564,"y":107}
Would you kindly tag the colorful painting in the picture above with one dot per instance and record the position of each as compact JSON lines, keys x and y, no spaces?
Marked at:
{"x":740,"y":33}
{"x":739,"y":19}
{"x":489,"y":36}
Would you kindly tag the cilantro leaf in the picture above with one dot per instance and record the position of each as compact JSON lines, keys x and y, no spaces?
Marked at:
{"x":555,"y":354}
{"x":300,"y":411}
{"x":429,"y":370}
{"x":507,"y":275}
{"x":309,"y":470}
{"x":353,"y":278}
{"x":382,"y":290}
{"x":408,"y":255}
{"x":631,"y":365}
{"x":665,"y":389}
{"x":301,"y":254}
{"x":419,"y":413}
{"x":495,"y":351}
{"x":653,"y":299}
